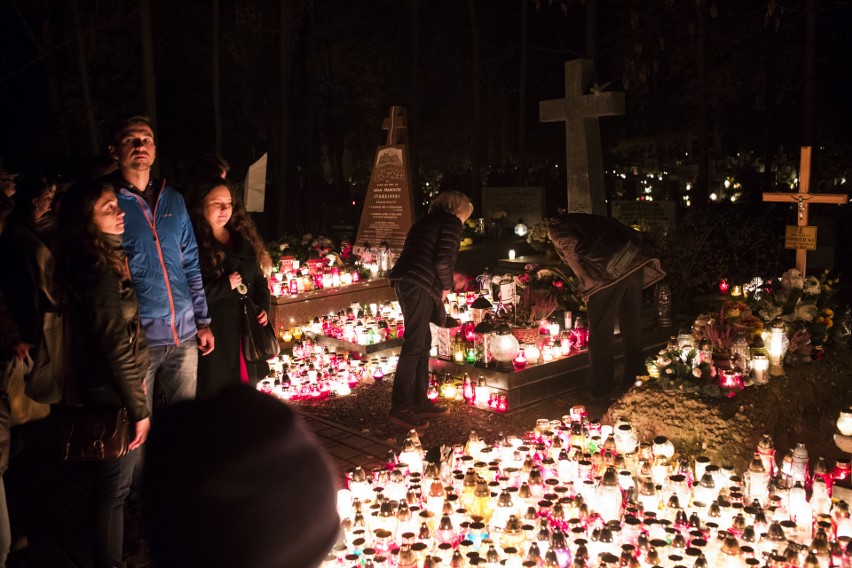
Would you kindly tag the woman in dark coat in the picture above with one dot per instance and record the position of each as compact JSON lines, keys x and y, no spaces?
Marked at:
{"x":231,"y":253}
{"x":422,"y":277}
{"x":27,"y":260}
{"x":110,"y":353}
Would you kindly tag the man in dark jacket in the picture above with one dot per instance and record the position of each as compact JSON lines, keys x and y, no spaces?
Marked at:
{"x":610,"y":271}
{"x":422,"y":277}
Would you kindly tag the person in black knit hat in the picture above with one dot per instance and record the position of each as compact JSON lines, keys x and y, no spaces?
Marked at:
{"x":237,"y":480}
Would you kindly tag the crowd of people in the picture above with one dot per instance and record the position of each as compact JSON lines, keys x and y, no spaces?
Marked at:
{"x":150,"y":278}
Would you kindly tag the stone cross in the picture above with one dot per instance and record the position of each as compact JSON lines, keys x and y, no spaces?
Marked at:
{"x":579,"y":110}
{"x":396,"y":125}
{"x":803,"y":200}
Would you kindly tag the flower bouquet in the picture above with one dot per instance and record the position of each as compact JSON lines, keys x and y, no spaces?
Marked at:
{"x":537,"y":237}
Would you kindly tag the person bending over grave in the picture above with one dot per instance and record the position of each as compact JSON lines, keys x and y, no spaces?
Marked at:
{"x":422,"y":277}
{"x":611,"y":271}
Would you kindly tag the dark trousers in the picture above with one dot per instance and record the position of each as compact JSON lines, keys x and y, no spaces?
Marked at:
{"x":109,"y":491}
{"x":620,"y":302}
{"x":411,"y":380}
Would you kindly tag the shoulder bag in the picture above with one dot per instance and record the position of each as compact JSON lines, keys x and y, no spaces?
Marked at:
{"x":93,"y":433}
{"x":258,"y":341}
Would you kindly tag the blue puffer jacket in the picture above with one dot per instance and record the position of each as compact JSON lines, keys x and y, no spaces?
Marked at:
{"x":163,"y":259}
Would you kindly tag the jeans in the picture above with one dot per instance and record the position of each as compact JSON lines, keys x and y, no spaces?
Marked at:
{"x":173,"y":372}
{"x":109,"y":492}
{"x":622,"y":302}
{"x":411,"y":380}
{"x":5,"y":528}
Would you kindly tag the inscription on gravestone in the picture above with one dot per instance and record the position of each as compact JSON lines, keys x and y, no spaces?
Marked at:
{"x":388,"y":205}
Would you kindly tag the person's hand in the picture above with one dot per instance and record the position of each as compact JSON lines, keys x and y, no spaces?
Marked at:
{"x":262,"y":317}
{"x":205,"y":341}
{"x":21,"y":350}
{"x":444,"y":294}
{"x":142,"y":428}
{"x":236,"y":279}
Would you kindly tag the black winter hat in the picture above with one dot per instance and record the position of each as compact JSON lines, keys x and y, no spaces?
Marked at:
{"x":237,"y":480}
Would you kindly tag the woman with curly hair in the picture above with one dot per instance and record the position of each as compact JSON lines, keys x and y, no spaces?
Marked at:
{"x":231,"y":253}
{"x":110,"y":352}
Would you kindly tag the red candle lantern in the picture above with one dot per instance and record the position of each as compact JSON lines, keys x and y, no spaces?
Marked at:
{"x":294,"y":287}
{"x":502,"y":403}
{"x":520,"y":360}
{"x":724,"y":286}
{"x":731,"y":382}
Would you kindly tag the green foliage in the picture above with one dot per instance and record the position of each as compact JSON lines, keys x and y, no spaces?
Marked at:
{"x":721,"y":242}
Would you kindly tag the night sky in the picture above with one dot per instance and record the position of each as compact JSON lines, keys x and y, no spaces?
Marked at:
{"x":350,"y":60}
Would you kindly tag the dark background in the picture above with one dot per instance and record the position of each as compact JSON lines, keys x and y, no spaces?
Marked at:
{"x":310,"y":82}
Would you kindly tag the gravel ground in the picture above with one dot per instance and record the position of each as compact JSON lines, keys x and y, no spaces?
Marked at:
{"x":801,"y":407}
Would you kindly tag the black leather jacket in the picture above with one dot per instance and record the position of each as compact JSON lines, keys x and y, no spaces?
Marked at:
{"x":110,"y":354}
{"x":429,"y":253}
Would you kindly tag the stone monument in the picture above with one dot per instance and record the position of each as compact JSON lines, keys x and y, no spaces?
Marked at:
{"x":388,"y":205}
{"x":579,"y":110}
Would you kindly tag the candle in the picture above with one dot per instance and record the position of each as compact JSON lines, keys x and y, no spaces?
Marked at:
{"x":511,"y":254}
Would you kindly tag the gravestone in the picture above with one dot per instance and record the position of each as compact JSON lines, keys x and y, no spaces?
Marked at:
{"x":388,"y":205}
{"x":654,"y":217}
{"x":579,"y":110}
{"x":525,"y":203}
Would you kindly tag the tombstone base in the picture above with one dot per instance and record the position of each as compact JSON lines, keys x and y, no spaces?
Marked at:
{"x":536,"y":383}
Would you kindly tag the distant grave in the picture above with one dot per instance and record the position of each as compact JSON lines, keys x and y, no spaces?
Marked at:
{"x":653,"y":217}
{"x":525,"y":203}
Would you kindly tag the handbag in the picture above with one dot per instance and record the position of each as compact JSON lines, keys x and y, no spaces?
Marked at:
{"x":43,"y":382}
{"x":93,"y":433}
{"x":258,"y":341}
{"x":22,"y":408}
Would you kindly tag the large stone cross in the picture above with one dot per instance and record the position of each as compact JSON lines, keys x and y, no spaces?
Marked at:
{"x":803,"y":200}
{"x":580,"y":111}
{"x":397,"y":126}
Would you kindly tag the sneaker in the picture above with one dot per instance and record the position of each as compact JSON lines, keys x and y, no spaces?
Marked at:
{"x":430,"y":409}
{"x":408,"y":419}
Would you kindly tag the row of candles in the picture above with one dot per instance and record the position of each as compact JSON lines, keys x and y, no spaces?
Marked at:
{"x":314,"y":372}
{"x":362,"y":324}
{"x":577,"y":493}
{"x":291,"y":277}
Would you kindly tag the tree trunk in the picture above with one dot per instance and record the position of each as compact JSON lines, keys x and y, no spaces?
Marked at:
{"x":148,"y":76}
{"x":476,"y":91}
{"x":810,"y":58}
{"x":217,"y":102}
{"x":770,"y":141}
{"x":591,"y":29}
{"x":702,"y":183}
{"x":82,"y":67}
{"x":278,"y":199}
{"x":522,"y":96}
{"x":413,"y":107}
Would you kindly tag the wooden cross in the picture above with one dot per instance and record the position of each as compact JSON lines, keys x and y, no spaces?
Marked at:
{"x":397,"y":126}
{"x":580,"y":111}
{"x":803,"y":199}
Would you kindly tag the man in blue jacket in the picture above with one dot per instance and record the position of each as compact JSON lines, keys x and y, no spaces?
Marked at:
{"x":163,"y":258}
